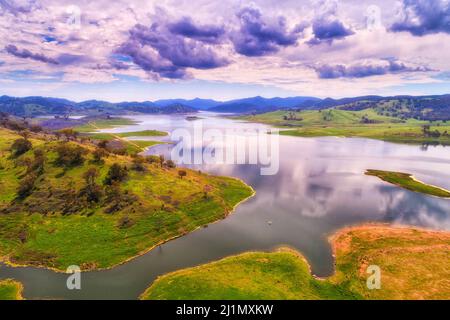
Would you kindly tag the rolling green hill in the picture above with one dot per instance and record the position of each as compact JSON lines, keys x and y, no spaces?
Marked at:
{"x":68,"y":203}
{"x":367,"y":123}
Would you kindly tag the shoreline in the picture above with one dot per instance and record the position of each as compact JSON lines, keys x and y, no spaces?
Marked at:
{"x":331,"y":239}
{"x":5,"y":259}
{"x":413,"y":178}
{"x":394,"y":139}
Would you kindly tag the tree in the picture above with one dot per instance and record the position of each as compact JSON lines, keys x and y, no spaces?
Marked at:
{"x":116,"y":173}
{"x":92,"y":191}
{"x":70,"y":154}
{"x":99,"y":154}
{"x":103,"y":144}
{"x":20,"y":146}
{"x":36,"y":128}
{"x":90,"y":175}
{"x":182,"y":173}
{"x":170,"y":164}
{"x":161,"y":160}
{"x":38,"y":163}
{"x":152,"y":159}
{"x":26,"y":185}
{"x":69,"y":133}
{"x":139,"y":163}
{"x":25,"y":134}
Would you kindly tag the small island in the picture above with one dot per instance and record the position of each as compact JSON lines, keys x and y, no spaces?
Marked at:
{"x":10,"y":290}
{"x":407,"y":181}
{"x":285,"y":274}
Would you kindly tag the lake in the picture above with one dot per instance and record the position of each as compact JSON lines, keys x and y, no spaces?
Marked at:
{"x":320,"y":187}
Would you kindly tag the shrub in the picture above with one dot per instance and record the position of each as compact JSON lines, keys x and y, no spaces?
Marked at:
{"x":20,"y":146}
{"x":116,"y":173}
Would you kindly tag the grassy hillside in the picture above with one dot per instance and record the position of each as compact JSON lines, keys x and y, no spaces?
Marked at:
{"x":364,"y":123}
{"x":10,"y":290}
{"x":413,"y":262}
{"x":406,"y":181}
{"x":71,"y":203}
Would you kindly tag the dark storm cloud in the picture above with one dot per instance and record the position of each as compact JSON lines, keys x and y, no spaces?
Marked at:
{"x":205,"y":33}
{"x":422,"y":17}
{"x":258,"y":37}
{"x":328,"y":71}
{"x":156,"y":49}
{"x":27,"y":54}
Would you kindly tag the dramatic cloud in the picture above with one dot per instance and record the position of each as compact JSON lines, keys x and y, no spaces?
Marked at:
{"x":327,"y":30}
{"x":363,"y":70}
{"x":205,"y":33}
{"x":156,"y":49}
{"x":422,"y":17}
{"x":224,"y":43}
{"x":258,"y":37}
{"x":27,"y":54}
{"x":149,"y":61}
{"x":16,"y":7}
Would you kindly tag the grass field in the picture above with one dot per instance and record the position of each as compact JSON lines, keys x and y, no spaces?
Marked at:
{"x":334,"y":122}
{"x":134,"y":146}
{"x":53,"y":228}
{"x":105,"y":124}
{"x":10,"y":290}
{"x":414,"y":264}
{"x":406,"y":181}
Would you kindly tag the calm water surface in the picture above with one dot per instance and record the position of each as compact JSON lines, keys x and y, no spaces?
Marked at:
{"x":319,"y":188}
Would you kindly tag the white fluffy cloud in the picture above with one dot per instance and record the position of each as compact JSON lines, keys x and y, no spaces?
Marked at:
{"x":80,"y":41}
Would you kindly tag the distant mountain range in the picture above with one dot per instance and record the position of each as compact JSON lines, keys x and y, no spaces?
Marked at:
{"x":40,"y":106}
{"x":260,"y":104}
{"x":421,"y":107}
{"x":197,"y":103}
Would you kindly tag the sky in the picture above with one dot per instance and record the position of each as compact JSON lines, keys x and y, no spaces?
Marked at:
{"x":147,"y":50}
